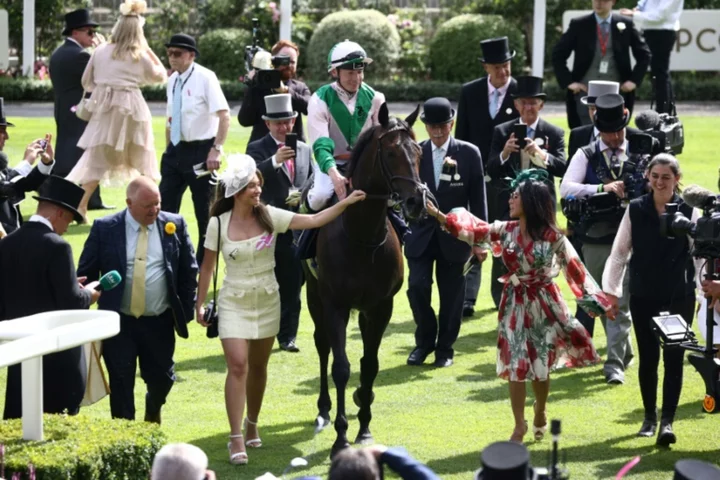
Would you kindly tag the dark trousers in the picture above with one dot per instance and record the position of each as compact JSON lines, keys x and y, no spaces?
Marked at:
{"x":177,"y":173}
{"x":585,"y":320}
{"x":436,"y":332}
{"x":151,"y":340}
{"x":642,"y":310}
{"x":661,"y":43}
{"x":289,"y":274}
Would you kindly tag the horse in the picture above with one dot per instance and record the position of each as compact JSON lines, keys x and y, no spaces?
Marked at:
{"x":360,"y":265}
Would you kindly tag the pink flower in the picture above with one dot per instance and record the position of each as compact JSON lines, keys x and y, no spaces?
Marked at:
{"x":392,"y":19}
{"x":407,"y":23}
{"x":272,"y":5}
{"x":276,"y":16}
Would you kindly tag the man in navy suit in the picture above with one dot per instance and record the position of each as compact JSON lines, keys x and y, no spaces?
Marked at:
{"x":453,"y":171}
{"x":153,"y":253}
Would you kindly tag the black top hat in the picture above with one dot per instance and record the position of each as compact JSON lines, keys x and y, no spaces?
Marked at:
{"x":504,"y":461}
{"x":77,"y":19}
{"x":437,"y":111}
{"x":496,"y":50}
{"x":529,"y":87}
{"x":610,"y":114}
{"x":3,"y":120}
{"x":183,"y":40}
{"x":61,"y":192}
{"x":695,"y":470}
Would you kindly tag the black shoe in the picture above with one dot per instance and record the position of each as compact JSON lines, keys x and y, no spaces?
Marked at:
{"x":417,"y":356}
{"x":468,"y":311}
{"x":648,"y":428}
{"x":665,"y":435}
{"x":153,"y":417}
{"x":289,"y":346}
{"x":443,"y":362}
{"x":102,"y":206}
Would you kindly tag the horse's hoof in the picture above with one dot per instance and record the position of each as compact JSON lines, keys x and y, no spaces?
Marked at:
{"x":320,"y":423}
{"x":364,"y":439}
{"x":337,"y":448}
{"x":356,"y":397}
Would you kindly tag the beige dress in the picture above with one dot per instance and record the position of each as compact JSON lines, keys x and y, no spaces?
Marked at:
{"x":249,"y":299}
{"x":118,"y":141}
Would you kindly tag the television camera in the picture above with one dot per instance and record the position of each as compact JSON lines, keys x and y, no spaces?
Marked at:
{"x":666,"y":128}
{"x":261,"y":65}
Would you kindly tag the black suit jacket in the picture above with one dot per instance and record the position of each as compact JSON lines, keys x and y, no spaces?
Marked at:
{"x":67,"y":65}
{"x":277,"y":180}
{"x":253,"y":108}
{"x":474,"y":123}
{"x":581,"y":39}
{"x":468,"y":191}
{"x":553,"y":143}
{"x":37,"y":274}
{"x":582,"y":136}
{"x":10,"y":215}
{"x":105,"y":250}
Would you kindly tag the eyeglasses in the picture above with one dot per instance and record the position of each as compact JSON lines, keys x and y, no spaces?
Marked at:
{"x":175,"y":53}
{"x":90,"y":32}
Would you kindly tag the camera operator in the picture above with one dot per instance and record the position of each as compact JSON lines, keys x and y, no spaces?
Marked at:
{"x":660,"y":21}
{"x":662,"y":279}
{"x":284,"y":57}
{"x":599,"y":169}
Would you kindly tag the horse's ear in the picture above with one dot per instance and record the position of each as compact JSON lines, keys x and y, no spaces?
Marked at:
{"x":410,"y":119}
{"x":384,"y":115}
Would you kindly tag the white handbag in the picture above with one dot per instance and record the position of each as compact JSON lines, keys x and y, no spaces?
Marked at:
{"x":81,"y":110}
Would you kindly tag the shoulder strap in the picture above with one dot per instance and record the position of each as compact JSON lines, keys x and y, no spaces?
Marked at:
{"x":592,"y":153}
{"x":217,"y":261}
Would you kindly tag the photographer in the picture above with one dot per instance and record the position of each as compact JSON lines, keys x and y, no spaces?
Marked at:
{"x":661,"y":280}
{"x":599,"y":168}
{"x":284,"y":57}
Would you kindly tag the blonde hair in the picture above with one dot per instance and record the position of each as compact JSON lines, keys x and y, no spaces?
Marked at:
{"x":128,"y":38}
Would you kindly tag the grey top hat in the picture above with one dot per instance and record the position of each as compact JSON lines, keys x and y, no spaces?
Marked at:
{"x":279,"y":107}
{"x":597,"y":88}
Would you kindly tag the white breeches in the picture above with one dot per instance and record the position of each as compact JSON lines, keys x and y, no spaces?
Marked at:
{"x":321,"y":191}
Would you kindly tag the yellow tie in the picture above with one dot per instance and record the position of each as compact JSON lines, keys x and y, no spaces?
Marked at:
{"x":137,"y":298}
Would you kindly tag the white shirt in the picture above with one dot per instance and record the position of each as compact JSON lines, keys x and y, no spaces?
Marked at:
{"x":24,"y":168}
{"x":658,"y":14}
{"x":43,"y":220}
{"x":202,"y":98}
{"x":534,"y":128}
{"x":572,"y":182}
{"x":501,"y":92}
{"x":275,"y":164}
{"x":75,"y":41}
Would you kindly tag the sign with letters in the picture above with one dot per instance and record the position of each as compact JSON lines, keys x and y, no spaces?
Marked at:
{"x":4,"y":41}
{"x":698,"y":41}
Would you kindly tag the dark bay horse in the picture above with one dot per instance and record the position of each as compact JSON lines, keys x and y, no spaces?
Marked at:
{"x":360,"y":265}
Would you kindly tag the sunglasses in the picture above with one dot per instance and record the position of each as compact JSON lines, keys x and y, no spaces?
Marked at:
{"x":90,"y":32}
{"x":175,"y":53}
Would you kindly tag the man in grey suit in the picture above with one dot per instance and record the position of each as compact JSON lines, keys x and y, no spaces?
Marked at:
{"x":67,"y":65}
{"x":284,"y":171}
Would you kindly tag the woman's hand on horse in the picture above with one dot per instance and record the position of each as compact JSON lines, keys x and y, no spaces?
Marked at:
{"x":354,"y":197}
{"x":480,"y":253}
{"x":435,"y":213}
{"x":339,"y":182}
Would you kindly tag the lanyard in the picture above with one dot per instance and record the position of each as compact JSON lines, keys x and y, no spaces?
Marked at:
{"x":183,"y":83}
{"x":602,"y":39}
{"x":608,"y":162}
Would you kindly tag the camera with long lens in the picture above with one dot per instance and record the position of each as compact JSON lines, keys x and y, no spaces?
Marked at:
{"x":262,"y":63}
{"x":666,"y":128}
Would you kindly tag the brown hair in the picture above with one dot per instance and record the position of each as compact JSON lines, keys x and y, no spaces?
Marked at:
{"x":354,"y":464}
{"x":282,"y":44}
{"x":222,"y":205}
{"x":667,"y":160}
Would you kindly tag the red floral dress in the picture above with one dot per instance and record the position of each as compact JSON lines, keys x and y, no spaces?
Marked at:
{"x":535,"y":331}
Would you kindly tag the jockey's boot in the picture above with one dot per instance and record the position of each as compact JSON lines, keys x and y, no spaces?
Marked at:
{"x":305,"y":242}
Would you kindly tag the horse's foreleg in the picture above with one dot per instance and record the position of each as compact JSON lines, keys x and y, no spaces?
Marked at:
{"x":336,"y":324}
{"x":372,"y":327}
{"x":322,"y":345}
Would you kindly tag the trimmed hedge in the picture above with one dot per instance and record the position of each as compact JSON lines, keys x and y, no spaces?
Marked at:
{"x":223,"y":51}
{"x":82,"y":448}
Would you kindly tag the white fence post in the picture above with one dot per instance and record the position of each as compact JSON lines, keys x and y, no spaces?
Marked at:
{"x":538,"y":44}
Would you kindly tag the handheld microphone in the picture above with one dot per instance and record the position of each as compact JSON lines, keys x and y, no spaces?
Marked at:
{"x":698,"y":197}
{"x":647,"y":120}
{"x":109,"y":281}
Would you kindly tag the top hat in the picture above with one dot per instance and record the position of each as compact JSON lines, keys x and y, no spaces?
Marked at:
{"x":279,"y":107}
{"x":3,"y":120}
{"x":61,"y":192}
{"x":437,"y":111}
{"x":695,"y":470}
{"x":597,"y":88}
{"x":183,"y":40}
{"x":610,"y":114}
{"x":77,"y":19}
{"x":504,"y":461}
{"x":529,"y":87}
{"x":496,"y":50}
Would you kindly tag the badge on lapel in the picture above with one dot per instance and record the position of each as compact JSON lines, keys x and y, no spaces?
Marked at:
{"x":449,"y":170}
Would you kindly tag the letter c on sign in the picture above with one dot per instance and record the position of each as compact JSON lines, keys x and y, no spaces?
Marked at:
{"x":699,"y":39}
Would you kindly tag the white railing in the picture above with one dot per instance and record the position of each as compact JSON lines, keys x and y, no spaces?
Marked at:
{"x":29,"y":338}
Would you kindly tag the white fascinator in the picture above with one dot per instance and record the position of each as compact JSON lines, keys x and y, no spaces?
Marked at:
{"x":133,"y":7}
{"x":240,"y":170}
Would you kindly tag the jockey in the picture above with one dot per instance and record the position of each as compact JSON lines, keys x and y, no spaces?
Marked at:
{"x":337,"y":114}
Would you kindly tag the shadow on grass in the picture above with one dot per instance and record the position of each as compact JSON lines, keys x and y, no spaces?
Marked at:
{"x":212,"y":364}
{"x":687,"y":411}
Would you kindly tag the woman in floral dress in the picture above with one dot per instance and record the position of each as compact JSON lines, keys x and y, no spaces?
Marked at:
{"x":535,"y":332}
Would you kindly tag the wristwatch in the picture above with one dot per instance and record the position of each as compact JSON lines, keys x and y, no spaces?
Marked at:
{"x":217,"y":147}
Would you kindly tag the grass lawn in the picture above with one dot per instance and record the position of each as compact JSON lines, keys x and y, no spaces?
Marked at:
{"x":444,"y":417}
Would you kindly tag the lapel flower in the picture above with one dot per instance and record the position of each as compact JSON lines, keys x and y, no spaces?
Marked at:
{"x":620,"y":26}
{"x":449,"y":162}
{"x":170,"y":228}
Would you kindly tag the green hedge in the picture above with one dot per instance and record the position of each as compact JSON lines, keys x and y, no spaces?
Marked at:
{"x":223,"y":51}
{"x":81,"y":448}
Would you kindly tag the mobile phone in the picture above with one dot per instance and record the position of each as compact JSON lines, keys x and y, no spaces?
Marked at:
{"x":43,"y":144}
{"x":520,"y":131}
{"x":291,"y":141}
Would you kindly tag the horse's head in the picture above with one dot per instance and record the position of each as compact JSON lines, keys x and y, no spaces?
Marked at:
{"x":393,"y":171}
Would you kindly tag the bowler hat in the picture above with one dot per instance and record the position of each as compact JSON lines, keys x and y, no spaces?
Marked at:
{"x":436,"y":111}
{"x":610,"y":113}
{"x":504,"y":461}
{"x":3,"y":120}
{"x":279,"y":107}
{"x":597,"y":88}
{"x":61,"y":192}
{"x":695,"y":470}
{"x":496,"y":50}
{"x":529,"y":87}
{"x":183,"y":40}
{"x":77,"y":19}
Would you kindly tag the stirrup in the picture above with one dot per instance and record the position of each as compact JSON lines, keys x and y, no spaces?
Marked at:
{"x":253,"y":442}
{"x":237,"y":458}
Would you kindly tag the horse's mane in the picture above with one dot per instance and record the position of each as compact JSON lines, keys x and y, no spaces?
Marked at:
{"x":363,"y":141}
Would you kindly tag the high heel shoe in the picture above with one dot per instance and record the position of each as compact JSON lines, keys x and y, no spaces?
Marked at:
{"x":516,"y":436}
{"x":237,"y":458}
{"x":539,"y":432}
{"x":253,"y":442}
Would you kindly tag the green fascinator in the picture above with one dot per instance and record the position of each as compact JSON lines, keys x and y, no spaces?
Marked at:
{"x":528,"y":175}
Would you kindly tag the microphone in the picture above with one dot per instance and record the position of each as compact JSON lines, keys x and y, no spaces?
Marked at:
{"x":109,"y":281}
{"x":647,"y":120}
{"x":699,"y":197}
